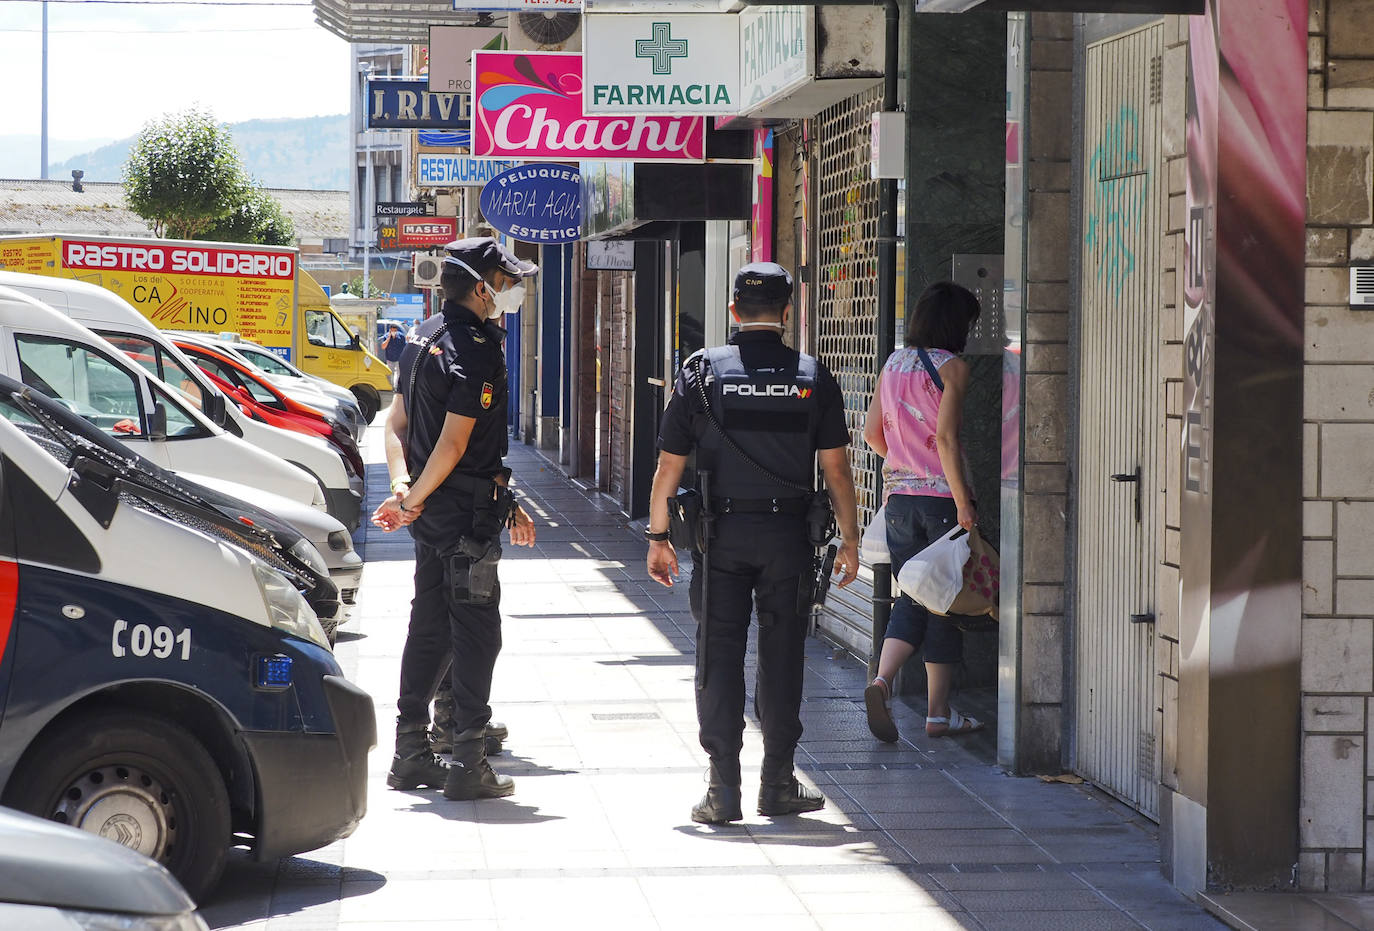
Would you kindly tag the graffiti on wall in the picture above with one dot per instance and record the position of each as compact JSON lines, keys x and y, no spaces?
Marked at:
{"x":1116,"y":205}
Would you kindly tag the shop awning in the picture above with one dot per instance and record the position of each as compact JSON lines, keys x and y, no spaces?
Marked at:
{"x":1181,"y":7}
{"x":395,"y":20}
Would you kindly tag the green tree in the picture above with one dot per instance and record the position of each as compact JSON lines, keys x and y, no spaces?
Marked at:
{"x":374,"y":288}
{"x":256,"y":217}
{"x":183,"y":174}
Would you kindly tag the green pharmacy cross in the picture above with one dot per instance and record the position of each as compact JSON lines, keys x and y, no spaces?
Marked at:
{"x":661,"y":48}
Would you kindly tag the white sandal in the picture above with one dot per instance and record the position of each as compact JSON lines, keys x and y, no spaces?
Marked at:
{"x":953,"y":726}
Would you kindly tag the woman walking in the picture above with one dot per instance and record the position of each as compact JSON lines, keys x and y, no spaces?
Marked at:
{"x":913,"y":423}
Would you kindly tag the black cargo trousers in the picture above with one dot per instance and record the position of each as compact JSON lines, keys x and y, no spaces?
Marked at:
{"x":438,"y":625}
{"x":757,"y":560}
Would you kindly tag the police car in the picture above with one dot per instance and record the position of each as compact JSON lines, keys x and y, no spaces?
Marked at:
{"x":163,"y":682}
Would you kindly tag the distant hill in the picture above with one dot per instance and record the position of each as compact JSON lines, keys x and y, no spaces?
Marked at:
{"x":309,"y":153}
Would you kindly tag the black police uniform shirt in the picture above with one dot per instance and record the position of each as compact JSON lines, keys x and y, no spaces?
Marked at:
{"x":462,"y":372}
{"x":759,"y":349}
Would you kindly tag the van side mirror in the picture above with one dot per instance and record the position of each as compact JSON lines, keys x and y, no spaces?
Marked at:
{"x":157,"y":422}
{"x":355,"y":343}
{"x":214,"y":407}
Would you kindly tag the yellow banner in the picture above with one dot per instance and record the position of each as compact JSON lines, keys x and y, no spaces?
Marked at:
{"x":178,"y":286}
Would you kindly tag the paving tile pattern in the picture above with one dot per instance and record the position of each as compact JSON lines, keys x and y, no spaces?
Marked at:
{"x":595,"y":683}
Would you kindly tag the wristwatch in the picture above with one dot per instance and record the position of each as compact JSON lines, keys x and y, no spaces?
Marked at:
{"x":402,"y":480}
{"x":661,"y":537}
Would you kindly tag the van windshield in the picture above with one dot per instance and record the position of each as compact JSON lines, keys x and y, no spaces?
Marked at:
{"x":158,"y":363}
{"x":87,"y":382}
{"x":266,"y":360}
{"x":324,"y":329}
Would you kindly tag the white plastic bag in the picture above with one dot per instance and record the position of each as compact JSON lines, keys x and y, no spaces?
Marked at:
{"x":935,"y":575}
{"x":873,"y":549}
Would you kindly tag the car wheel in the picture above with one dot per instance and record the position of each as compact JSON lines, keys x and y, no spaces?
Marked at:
{"x":369,"y":401}
{"x":136,"y":779}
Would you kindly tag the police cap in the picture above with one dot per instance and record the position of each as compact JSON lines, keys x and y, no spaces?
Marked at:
{"x":763,"y":283}
{"x":480,"y":254}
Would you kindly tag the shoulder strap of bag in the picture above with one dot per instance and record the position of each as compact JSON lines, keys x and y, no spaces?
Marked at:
{"x":930,"y":369}
{"x":415,"y":372}
{"x":695,"y":366}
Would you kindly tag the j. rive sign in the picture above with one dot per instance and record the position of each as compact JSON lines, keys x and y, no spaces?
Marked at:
{"x":648,"y":63}
{"x":535,"y":203}
{"x":409,"y":104}
{"x":528,"y":105}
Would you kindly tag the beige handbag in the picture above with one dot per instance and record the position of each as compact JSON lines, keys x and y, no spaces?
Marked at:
{"x":975,"y":607}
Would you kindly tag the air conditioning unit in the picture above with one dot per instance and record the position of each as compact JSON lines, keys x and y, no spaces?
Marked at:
{"x":1362,"y":285}
{"x":546,"y":32}
{"x":427,"y":268}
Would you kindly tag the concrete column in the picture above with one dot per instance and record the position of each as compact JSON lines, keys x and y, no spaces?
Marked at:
{"x":1234,"y":820}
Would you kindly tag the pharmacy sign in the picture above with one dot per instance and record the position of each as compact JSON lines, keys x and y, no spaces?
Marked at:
{"x":649,"y":63}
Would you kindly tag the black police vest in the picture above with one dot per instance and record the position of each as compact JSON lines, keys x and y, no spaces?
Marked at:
{"x":772,"y":416}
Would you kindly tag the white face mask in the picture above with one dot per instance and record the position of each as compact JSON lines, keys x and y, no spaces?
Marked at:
{"x":510,"y":301}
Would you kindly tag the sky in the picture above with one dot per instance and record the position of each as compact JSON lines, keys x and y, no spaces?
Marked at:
{"x":113,"y":65}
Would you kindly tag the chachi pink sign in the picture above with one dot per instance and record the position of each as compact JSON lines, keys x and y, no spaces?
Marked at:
{"x":528,"y":105}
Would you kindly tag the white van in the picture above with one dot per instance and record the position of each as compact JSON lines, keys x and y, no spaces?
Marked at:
{"x":69,"y":363}
{"x":157,"y":674}
{"x":119,"y":322}
{"x":327,"y":534}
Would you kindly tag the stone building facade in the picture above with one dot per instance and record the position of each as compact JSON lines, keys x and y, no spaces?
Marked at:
{"x":1319,"y":792}
{"x":1336,"y":835}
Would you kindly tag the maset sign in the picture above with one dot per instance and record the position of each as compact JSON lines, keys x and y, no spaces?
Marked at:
{"x":425,"y":231}
{"x":528,"y":105}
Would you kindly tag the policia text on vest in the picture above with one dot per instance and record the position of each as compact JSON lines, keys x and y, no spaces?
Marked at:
{"x":751,"y":419}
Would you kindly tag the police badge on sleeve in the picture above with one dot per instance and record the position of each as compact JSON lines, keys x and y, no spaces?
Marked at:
{"x":487,"y":392}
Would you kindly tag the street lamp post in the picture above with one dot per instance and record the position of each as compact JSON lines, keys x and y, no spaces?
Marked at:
{"x":369,"y":223}
{"x":43,"y":133}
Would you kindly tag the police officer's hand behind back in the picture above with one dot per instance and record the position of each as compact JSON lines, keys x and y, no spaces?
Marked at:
{"x":391,"y":516}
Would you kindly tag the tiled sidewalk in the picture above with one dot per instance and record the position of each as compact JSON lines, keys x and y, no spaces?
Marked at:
{"x":595,"y":683}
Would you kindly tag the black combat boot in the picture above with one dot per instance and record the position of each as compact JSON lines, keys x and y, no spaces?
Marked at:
{"x":779,"y":791}
{"x":494,"y":737}
{"x":441,"y":734}
{"x":721,"y":803}
{"x":470,"y":776}
{"x":414,"y":763}
{"x":788,"y":798}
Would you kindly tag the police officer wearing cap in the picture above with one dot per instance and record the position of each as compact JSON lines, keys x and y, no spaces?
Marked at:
{"x":783,"y":410}
{"x":445,"y":439}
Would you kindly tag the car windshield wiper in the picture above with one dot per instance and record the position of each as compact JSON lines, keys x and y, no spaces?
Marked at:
{"x":118,"y":475}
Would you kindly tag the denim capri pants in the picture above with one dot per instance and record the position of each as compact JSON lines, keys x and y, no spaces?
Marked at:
{"x":913,"y":522}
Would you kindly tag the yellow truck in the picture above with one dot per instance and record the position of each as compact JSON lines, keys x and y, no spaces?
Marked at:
{"x":258,"y":292}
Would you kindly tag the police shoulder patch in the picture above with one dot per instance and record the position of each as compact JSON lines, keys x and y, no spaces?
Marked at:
{"x":487,"y":392}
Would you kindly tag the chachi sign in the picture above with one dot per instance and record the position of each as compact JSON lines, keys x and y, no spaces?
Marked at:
{"x":535,"y":203}
{"x":652,"y":63}
{"x":528,"y":105}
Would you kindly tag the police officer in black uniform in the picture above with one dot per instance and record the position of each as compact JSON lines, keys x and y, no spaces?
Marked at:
{"x":445,"y":439}
{"x":781,"y":408}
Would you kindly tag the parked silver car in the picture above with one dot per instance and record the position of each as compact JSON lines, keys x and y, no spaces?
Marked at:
{"x":56,"y":878}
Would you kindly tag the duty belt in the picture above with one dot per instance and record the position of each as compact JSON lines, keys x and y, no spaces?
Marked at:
{"x":763,"y":505}
{"x":471,"y":483}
